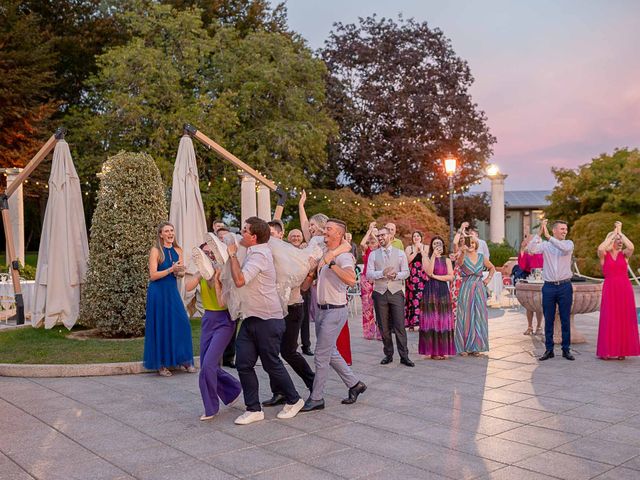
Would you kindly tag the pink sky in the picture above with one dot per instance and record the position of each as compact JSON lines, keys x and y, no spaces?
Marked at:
{"x":559,"y":80}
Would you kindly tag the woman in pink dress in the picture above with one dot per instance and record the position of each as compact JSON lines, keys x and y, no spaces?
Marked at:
{"x":370,"y":329}
{"x":618,"y":331}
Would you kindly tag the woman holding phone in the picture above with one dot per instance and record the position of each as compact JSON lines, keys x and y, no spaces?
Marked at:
{"x":472,"y":329}
{"x":436,"y":320}
{"x":167,"y":336}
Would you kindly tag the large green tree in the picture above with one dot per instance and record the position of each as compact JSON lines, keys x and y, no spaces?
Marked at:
{"x":401,"y":97}
{"x":260,"y":95}
{"x":609,"y":183}
{"x":26,"y":82}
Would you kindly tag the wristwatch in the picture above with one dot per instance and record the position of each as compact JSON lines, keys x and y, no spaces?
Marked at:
{"x":331,"y":264}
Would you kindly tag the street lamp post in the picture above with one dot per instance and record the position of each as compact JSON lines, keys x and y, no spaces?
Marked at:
{"x":450,"y":168}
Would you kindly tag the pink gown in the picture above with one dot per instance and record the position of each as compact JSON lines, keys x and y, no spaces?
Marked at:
{"x":618,"y":330}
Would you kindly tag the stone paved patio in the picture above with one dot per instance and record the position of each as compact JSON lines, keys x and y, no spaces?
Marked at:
{"x":503,"y":416}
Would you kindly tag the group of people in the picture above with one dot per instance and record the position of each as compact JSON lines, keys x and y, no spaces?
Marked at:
{"x":446,"y":298}
{"x":443,"y":295}
{"x":248,"y":281}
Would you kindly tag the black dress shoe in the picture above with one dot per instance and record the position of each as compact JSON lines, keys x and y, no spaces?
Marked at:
{"x":547,"y":355}
{"x":277,"y":399}
{"x":568,"y":355}
{"x":311,"y":405}
{"x":229,"y":364}
{"x":307,"y":351}
{"x":407,"y":362}
{"x":386,"y":360}
{"x":354,"y":391}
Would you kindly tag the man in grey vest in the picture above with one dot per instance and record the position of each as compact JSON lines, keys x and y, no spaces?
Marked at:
{"x":388,"y":268}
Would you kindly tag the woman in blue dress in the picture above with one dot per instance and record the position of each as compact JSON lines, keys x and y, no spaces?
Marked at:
{"x":167,"y":339}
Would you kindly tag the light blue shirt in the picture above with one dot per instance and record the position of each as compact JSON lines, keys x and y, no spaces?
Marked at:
{"x":557,"y":257}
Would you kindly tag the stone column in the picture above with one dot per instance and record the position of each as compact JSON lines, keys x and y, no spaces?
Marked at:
{"x":16,"y":212}
{"x":497,"y":219}
{"x":247,"y":198}
{"x":264,"y":202}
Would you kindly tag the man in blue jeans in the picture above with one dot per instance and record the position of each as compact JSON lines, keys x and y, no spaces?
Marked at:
{"x":557,"y":289}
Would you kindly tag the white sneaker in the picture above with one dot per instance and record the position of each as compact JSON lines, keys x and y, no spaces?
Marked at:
{"x":202,"y":263}
{"x":218,"y":248}
{"x":290,"y":411}
{"x":249,"y":417}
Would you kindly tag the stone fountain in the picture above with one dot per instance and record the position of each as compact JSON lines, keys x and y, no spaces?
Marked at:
{"x":586,"y":299}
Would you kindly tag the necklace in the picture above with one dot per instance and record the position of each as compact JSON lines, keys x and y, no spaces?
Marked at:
{"x":169,"y":252}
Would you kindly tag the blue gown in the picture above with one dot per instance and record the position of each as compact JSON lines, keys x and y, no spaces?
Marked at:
{"x":167,"y":338}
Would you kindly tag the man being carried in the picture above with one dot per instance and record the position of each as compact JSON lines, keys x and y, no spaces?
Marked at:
{"x":261,"y":331}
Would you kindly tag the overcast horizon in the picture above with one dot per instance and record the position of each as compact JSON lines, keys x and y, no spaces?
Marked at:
{"x":558,"y":80}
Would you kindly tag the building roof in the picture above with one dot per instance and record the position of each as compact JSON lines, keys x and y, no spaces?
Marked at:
{"x":533,"y":199}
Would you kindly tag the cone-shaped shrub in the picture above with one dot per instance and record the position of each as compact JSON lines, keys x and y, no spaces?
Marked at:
{"x":131,"y":204}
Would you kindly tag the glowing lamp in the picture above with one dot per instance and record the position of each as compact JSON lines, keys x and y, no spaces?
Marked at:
{"x":450,"y":165}
{"x":493,"y":170}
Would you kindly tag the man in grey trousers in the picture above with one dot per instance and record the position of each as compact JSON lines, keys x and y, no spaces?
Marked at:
{"x":387,"y":268}
{"x":333,"y":279}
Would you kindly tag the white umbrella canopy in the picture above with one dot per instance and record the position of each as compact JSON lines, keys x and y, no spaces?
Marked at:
{"x":187,"y":210}
{"x":64,"y":249}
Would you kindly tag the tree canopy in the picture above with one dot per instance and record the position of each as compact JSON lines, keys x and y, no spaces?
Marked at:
{"x":400,"y":95}
{"x":260,"y":95}
{"x":609,"y":183}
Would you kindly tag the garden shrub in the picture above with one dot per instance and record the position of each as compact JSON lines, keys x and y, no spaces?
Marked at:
{"x":131,"y":204}
{"x":590,"y":230}
{"x":501,"y":253}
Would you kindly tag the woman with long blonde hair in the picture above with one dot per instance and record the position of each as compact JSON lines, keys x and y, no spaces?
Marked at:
{"x":167,"y":338}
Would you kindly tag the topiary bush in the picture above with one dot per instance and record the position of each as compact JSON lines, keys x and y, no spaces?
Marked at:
{"x":590,"y":230}
{"x":501,"y":253}
{"x":131,"y":204}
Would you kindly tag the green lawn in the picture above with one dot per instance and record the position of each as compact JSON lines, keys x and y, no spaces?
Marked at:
{"x":30,"y":258}
{"x":37,"y":345}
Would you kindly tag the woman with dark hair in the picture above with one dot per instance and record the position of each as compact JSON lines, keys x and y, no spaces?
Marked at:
{"x":437,"y":331}
{"x":167,"y":336}
{"x":416,"y":256}
{"x":369,"y":243}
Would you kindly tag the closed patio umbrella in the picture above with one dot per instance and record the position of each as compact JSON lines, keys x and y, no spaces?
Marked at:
{"x":64,"y":249}
{"x":187,"y":210}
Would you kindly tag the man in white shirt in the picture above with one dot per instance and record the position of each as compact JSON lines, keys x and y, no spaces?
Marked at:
{"x":483,"y":248}
{"x":557,"y":289}
{"x":333,"y":279}
{"x":388,"y":268}
{"x":261,"y":331}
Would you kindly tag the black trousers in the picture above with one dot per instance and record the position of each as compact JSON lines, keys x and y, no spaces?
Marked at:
{"x":289,"y":347}
{"x":262,"y":338}
{"x":229,"y":354}
{"x":389,"y":310}
{"x":305,"y":334}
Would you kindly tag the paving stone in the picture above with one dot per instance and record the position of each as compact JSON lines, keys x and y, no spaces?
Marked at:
{"x":592,"y":448}
{"x":499,"y":449}
{"x":619,"y":473}
{"x":538,"y":437}
{"x":304,"y":447}
{"x":511,"y":472}
{"x":405,"y":472}
{"x":191,"y":469}
{"x":603,"y":414}
{"x":352,"y":463}
{"x":12,"y":471}
{"x":566,"y":423}
{"x":296,"y":472}
{"x":620,"y":433}
{"x":564,"y":466}
{"x":518,"y":414}
{"x":456,"y":464}
{"x":250,"y":461}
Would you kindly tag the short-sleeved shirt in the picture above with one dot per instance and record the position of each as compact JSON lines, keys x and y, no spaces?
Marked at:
{"x":209,"y":297}
{"x":397,"y":243}
{"x":332,"y":290}
{"x":260,"y":294}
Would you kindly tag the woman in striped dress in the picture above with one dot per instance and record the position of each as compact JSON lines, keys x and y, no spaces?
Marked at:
{"x":472,"y":330}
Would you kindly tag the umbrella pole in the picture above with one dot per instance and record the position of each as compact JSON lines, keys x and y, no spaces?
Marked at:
{"x":221,"y":151}
{"x":6,"y":219}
